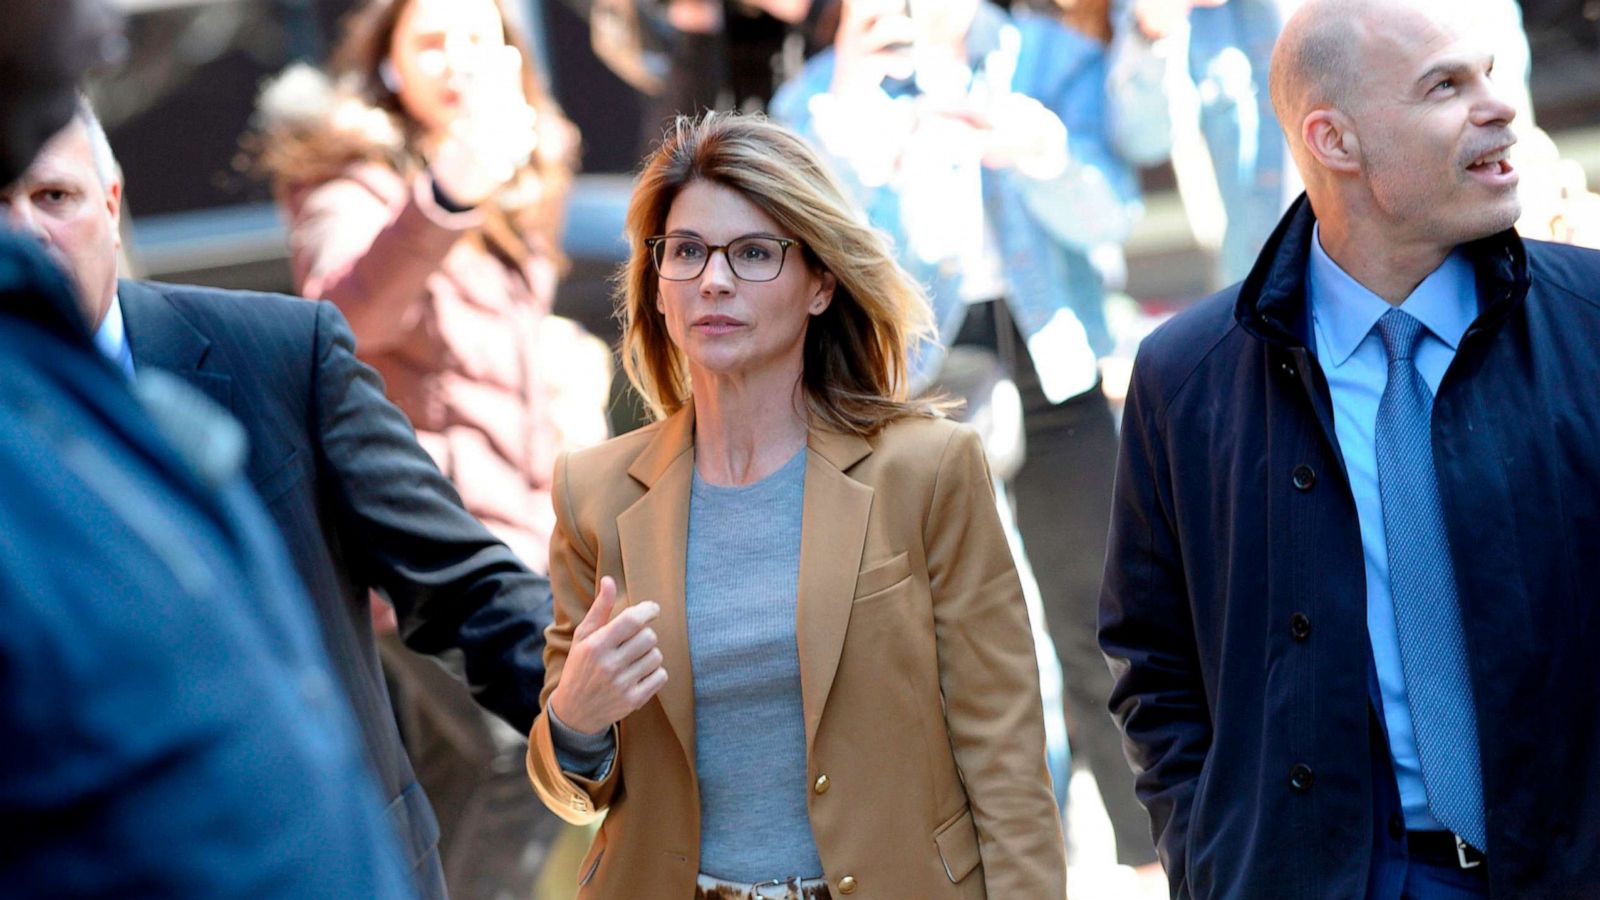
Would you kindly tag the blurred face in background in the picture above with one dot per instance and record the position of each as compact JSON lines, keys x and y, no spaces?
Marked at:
{"x":61,"y":201}
{"x":437,"y":48}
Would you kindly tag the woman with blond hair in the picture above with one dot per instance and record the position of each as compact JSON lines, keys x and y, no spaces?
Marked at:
{"x":818,"y":679}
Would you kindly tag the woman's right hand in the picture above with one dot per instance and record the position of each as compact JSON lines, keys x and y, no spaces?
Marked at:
{"x":493,"y":134}
{"x":613,"y":668}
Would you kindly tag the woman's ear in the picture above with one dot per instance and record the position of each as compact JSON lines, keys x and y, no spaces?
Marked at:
{"x":823,"y":296}
{"x":390,"y":76}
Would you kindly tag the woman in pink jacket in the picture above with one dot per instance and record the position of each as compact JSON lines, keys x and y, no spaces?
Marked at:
{"x":424,"y":178}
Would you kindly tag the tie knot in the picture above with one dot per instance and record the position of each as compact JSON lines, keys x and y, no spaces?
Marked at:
{"x":1401,"y":332}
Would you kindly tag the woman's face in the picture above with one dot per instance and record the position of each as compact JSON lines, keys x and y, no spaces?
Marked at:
{"x":436,"y":49}
{"x":726,"y":326}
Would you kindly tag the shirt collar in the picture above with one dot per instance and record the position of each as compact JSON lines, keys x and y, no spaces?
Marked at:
{"x":111,"y":338}
{"x":1445,"y":302}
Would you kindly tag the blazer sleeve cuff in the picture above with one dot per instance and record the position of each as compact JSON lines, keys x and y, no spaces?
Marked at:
{"x":571,"y":797}
{"x":580,"y":754}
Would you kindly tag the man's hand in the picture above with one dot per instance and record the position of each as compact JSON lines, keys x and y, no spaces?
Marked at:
{"x":873,"y":43}
{"x":613,"y":668}
{"x":1023,"y":134}
{"x":1159,"y":18}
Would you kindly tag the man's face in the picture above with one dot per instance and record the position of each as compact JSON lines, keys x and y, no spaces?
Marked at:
{"x":61,"y":201}
{"x":1434,"y":132}
{"x":45,"y":47}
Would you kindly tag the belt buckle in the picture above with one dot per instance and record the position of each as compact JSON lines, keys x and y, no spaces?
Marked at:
{"x":1461,"y":854}
{"x":758,"y":891}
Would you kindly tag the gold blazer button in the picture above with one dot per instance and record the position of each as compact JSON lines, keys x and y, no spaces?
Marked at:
{"x":847,"y":884}
{"x":822,"y":784}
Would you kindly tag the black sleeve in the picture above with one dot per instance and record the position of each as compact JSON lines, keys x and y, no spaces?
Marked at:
{"x":452,"y":583}
{"x":1147,"y":634}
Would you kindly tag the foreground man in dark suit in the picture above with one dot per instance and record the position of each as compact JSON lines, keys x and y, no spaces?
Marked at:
{"x":358,"y":502}
{"x":170,"y":726}
{"x":1349,"y":600}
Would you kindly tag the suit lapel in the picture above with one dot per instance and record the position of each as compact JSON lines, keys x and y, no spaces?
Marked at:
{"x":161,"y":337}
{"x":654,"y":534}
{"x":832,"y":538}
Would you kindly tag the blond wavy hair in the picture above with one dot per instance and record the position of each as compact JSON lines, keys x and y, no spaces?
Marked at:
{"x":857,"y":350}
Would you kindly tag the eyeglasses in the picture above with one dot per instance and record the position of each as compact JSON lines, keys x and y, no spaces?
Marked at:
{"x":752,"y":258}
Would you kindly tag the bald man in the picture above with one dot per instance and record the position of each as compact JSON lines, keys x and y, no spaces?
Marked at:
{"x":1350,"y":600}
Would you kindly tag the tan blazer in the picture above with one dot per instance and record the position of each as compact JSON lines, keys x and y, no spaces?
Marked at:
{"x":924,"y":730}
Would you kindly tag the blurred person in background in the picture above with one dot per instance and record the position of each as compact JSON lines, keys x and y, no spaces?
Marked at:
{"x":359,"y":504}
{"x":424,"y":180}
{"x":810,"y":569}
{"x":977,"y":140}
{"x":1228,"y":44}
{"x":688,"y":56}
{"x":171,"y":725}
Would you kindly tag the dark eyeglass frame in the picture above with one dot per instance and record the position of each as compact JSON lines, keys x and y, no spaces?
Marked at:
{"x":783,"y":254}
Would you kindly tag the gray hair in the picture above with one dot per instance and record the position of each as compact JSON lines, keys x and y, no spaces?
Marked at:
{"x":105,"y":161}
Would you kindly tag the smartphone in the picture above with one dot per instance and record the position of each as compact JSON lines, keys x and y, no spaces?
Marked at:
{"x":908,"y":85}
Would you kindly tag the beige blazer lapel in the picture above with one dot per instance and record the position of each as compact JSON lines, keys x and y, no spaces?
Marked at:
{"x":832,"y":538}
{"x":654,"y":534}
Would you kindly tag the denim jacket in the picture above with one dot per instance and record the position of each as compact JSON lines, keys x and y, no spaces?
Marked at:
{"x":1045,"y":229}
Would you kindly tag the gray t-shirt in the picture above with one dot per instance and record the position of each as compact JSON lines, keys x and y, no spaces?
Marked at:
{"x":741,"y":590}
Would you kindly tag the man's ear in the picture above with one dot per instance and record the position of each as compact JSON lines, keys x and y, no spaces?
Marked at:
{"x":824,"y":294}
{"x":1330,"y":137}
{"x":114,"y":210}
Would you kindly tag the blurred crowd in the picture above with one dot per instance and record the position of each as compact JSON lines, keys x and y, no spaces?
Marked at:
{"x":423,"y":171}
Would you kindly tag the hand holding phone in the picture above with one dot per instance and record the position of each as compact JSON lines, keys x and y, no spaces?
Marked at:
{"x":873,"y":43}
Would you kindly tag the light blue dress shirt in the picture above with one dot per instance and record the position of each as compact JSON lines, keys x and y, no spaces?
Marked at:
{"x":112,"y":338}
{"x":1351,"y":353}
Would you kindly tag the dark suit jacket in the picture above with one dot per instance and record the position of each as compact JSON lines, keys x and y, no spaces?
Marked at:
{"x":1234,"y":608}
{"x":170,"y":724}
{"x":360,"y":506}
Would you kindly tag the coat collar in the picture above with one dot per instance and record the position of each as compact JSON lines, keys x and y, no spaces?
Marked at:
{"x":654,"y":535}
{"x":162,"y":336}
{"x":675,"y":436}
{"x":1272,"y":299}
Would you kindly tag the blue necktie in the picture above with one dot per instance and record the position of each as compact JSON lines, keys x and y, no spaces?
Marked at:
{"x":1433,"y":648}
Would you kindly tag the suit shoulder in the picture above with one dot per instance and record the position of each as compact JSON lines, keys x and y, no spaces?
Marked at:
{"x":917,"y":434}
{"x":1180,"y":346}
{"x":611,"y":458}
{"x":235,"y":308}
{"x":1574,"y":270}
{"x":916,"y":446}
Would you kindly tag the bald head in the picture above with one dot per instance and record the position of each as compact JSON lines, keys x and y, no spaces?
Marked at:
{"x":1317,"y":60}
{"x":1324,"y":53}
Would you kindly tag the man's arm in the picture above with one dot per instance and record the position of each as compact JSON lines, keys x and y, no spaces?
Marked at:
{"x":1148,"y":636}
{"x":452,"y":583}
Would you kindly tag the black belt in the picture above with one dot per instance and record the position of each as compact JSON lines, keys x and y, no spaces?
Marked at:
{"x":1441,"y":848}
